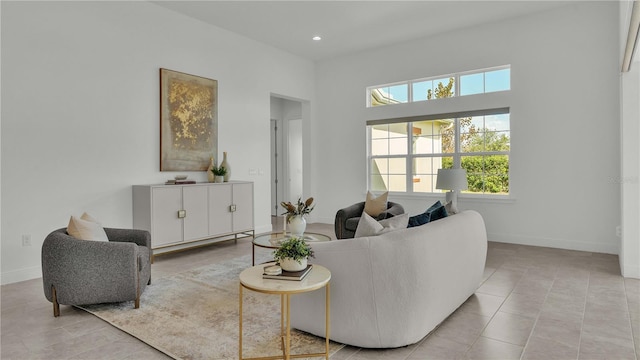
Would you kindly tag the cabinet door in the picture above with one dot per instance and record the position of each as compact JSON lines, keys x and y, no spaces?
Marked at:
{"x":220,"y":217}
{"x":166,"y":227}
{"x":196,"y":221}
{"x":243,"y":200}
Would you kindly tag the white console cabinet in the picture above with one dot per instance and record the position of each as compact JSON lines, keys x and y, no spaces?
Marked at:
{"x":181,"y":216}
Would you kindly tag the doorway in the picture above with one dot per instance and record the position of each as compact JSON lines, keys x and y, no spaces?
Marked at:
{"x":286,"y":133}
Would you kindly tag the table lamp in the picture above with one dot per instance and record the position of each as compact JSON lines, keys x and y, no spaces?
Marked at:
{"x":453,"y":180}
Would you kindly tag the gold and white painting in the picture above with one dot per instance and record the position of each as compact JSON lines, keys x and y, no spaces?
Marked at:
{"x":188,"y":121}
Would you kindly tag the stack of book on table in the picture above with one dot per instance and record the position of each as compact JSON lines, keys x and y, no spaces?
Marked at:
{"x":275,"y":272}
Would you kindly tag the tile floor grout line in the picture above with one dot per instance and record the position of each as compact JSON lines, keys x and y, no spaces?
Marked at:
{"x":546,"y":296}
{"x":626,"y":300}
{"x":492,"y":316}
{"x":584,"y":312}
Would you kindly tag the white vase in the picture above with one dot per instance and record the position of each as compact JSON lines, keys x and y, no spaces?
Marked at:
{"x":219,"y":179}
{"x":288,"y":264}
{"x":225,"y":164}
{"x":297,"y":225}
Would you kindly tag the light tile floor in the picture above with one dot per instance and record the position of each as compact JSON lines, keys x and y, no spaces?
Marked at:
{"x":534,"y":303}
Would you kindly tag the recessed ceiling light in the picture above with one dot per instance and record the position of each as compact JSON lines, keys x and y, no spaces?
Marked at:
{"x":317,"y":38}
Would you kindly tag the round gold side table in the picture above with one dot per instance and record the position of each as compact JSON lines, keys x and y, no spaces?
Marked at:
{"x":318,"y":277}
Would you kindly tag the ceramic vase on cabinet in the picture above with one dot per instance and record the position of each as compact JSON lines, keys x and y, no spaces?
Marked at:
{"x":225,"y":164}
{"x":297,"y":225}
{"x":210,"y":175}
{"x":288,"y":264}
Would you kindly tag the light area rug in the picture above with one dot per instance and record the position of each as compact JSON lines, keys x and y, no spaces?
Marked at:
{"x":194,"y":315}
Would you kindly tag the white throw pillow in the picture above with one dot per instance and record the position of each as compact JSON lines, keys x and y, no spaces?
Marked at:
{"x":86,"y":230}
{"x":368,"y":226}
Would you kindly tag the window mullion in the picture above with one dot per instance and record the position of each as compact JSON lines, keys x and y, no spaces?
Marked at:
{"x":456,"y":149}
{"x":409,"y":158}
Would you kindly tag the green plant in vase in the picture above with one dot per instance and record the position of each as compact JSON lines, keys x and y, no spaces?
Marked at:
{"x":293,"y":253}
{"x":219,"y":172}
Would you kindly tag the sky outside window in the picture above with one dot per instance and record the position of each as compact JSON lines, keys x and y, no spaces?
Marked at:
{"x":420,"y":90}
{"x":399,"y":93}
{"x":499,"y":122}
{"x":471,"y":84}
{"x":498,"y":80}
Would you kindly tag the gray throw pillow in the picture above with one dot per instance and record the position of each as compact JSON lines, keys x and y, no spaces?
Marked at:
{"x":369,"y":226}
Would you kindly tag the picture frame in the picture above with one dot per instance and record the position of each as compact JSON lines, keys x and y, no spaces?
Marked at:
{"x":188,"y":121}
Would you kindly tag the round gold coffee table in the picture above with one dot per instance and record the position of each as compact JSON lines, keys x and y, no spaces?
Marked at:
{"x":318,"y":277}
{"x":273,"y":241}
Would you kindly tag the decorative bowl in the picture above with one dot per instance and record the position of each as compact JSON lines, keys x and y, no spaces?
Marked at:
{"x":181,"y":177}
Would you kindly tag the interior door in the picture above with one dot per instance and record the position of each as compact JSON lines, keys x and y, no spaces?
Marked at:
{"x":295,"y":159}
{"x":276,"y":167}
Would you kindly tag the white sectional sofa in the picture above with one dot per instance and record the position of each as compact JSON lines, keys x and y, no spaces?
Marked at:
{"x":391,"y":290}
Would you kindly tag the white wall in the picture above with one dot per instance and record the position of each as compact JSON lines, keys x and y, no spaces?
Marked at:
{"x":630,"y":130}
{"x":630,"y":150}
{"x":564,"y":117}
{"x":80,"y":118}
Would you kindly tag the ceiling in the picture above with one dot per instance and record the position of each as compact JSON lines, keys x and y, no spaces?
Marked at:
{"x":348,"y":26}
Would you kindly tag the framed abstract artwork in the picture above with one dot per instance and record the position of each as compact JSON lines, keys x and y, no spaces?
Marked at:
{"x":188,"y":121}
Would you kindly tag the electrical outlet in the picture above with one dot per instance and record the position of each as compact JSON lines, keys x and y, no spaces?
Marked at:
{"x":26,"y":240}
{"x":619,"y":231}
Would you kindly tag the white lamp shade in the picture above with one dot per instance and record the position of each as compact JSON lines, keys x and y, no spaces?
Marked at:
{"x":452,"y":179}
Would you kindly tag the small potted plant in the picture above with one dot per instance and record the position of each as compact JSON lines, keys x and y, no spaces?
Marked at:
{"x":292,"y":254}
{"x":219,"y":172}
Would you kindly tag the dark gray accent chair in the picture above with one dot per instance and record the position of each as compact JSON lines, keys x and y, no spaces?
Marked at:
{"x":82,"y":272}
{"x":347,"y":219}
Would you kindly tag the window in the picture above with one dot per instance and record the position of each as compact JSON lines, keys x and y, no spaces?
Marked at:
{"x":485,"y":82}
{"x":389,"y":94}
{"x":406,"y":156}
{"x":442,"y":86}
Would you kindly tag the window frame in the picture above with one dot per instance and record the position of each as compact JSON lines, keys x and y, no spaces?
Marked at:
{"x":456,"y":87}
{"x":457,"y":155}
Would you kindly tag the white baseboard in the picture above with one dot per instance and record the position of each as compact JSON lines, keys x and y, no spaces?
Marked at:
{"x":321,"y":220}
{"x":554,"y":243}
{"x":631,"y":272}
{"x":263,"y":229}
{"x":15,"y":276}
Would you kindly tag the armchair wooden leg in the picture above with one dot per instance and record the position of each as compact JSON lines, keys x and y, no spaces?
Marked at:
{"x":54,"y":298}
{"x":137,"y":302}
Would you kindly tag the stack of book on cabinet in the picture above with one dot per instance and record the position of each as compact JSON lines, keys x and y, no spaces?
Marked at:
{"x":179,"y":182}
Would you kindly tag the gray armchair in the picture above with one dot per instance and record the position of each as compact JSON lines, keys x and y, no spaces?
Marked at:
{"x":347,"y":219}
{"x":79,"y":272}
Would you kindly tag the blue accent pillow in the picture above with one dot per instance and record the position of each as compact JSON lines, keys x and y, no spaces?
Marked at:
{"x":437,"y":211}
{"x":418,"y":220}
{"x":434,"y":212}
